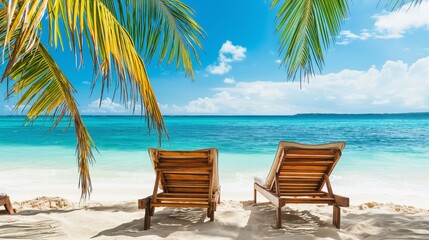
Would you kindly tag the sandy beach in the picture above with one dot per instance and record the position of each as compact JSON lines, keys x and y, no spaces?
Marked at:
{"x":57,"y":218}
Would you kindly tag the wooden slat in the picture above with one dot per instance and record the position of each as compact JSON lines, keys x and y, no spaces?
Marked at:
{"x":307,"y":157}
{"x":304,"y":168}
{"x":310,"y":152}
{"x":308,"y":174}
{"x":184,"y":160}
{"x":187,"y":185}
{"x":288,"y":191}
{"x":196,"y":195}
{"x":299,"y":180}
{"x":304,"y":194}
{"x":180,"y":168}
{"x":307,"y":162}
{"x":190,"y":205}
{"x":308,"y":200}
{"x":286,"y":185}
{"x":183,"y":154}
{"x":171,"y":199}
{"x":177,"y":176}
{"x":187,"y":190}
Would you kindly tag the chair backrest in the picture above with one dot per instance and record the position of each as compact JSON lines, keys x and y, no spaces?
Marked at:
{"x":186,"y":171}
{"x":302,"y":167}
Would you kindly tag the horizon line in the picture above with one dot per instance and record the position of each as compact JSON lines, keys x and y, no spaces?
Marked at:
{"x":228,"y":115}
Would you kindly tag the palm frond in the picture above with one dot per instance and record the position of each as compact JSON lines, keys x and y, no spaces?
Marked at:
{"x":22,"y":21}
{"x":305,"y":30}
{"x":162,"y":28}
{"x":113,"y":52}
{"x":44,"y":90}
{"x":396,"y":4}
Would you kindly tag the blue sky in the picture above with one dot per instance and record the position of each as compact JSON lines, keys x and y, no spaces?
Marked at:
{"x":379,"y":64}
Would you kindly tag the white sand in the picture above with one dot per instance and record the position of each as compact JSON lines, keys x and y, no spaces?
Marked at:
{"x":57,"y":218}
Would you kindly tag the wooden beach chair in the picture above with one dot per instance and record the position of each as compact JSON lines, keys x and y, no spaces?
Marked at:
{"x":298,"y":174}
{"x":5,"y":201}
{"x":186,"y":178}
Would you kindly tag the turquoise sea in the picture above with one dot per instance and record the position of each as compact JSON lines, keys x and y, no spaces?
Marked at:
{"x":386,"y":158}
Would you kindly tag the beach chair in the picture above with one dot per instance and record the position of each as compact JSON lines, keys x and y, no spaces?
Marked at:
{"x":298,"y":174}
{"x":5,"y":201}
{"x":187,"y":179}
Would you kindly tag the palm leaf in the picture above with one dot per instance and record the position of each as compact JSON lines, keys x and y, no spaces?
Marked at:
{"x":112,"y":50}
{"x":305,"y":29}
{"x":22,"y":22}
{"x":44,"y":90}
{"x":163,"y":28}
{"x":396,"y":4}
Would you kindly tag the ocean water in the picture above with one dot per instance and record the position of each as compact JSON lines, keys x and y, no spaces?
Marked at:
{"x":386,"y":158}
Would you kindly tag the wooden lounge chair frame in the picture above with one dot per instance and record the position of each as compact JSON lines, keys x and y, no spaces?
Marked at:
{"x":5,"y":201}
{"x":187,"y":179}
{"x":299,"y":173}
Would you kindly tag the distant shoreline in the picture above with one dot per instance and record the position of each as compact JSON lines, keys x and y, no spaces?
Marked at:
{"x":245,"y":115}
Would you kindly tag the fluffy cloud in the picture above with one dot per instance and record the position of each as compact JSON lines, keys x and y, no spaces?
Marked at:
{"x":228,"y":53}
{"x":231,"y":53}
{"x":219,"y":69}
{"x":228,"y":80}
{"x":395,"y":24}
{"x":109,"y":107}
{"x":347,"y":36}
{"x":391,"y":24}
{"x":395,"y":87}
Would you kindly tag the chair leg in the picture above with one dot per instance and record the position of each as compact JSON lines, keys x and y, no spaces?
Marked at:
{"x":212,"y":216}
{"x":336,"y":220}
{"x":208,"y":212}
{"x":8,"y":206}
{"x":147,"y":216}
{"x":152,"y":211}
{"x":254,"y":195}
{"x":278,"y":217}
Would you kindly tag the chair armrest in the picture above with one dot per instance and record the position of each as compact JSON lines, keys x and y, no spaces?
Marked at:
{"x":342,"y":201}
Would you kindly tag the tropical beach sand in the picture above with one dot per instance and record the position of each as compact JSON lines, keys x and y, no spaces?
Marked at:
{"x":57,"y":218}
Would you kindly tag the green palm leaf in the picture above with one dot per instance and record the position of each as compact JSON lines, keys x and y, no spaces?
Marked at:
{"x":112,"y":49}
{"x":305,"y":29}
{"x":399,"y":3}
{"x":44,"y":90}
{"x":161,"y":28}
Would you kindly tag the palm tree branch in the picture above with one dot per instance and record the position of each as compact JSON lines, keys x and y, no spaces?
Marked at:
{"x":305,"y":30}
{"x":113,"y":53}
{"x":22,"y":27}
{"x":163,"y":28}
{"x":45,"y":91}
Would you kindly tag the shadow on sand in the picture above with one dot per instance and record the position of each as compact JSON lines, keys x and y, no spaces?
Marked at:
{"x":260,"y":221}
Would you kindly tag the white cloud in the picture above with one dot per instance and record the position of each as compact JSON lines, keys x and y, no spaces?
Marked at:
{"x":395,"y":24}
{"x":86,"y":83}
{"x":390,"y":25}
{"x":110,"y":107}
{"x":220,"y":69}
{"x":278,"y":61}
{"x":228,"y":80}
{"x":228,"y":53}
{"x":347,"y":36}
{"x":395,"y":87}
